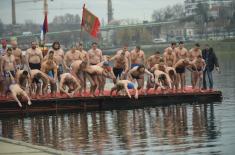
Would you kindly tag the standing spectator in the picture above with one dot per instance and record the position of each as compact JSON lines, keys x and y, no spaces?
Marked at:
{"x":211,"y":61}
{"x":4,"y":47}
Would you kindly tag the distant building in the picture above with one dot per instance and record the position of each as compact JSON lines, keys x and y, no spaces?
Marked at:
{"x":110,"y":11}
{"x":214,"y":5}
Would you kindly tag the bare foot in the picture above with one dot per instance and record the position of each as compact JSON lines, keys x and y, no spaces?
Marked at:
{"x":29,"y":102}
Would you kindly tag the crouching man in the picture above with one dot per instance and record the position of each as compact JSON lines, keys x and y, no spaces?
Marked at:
{"x":162,"y":80}
{"x":124,"y":86}
{"x":17,"y":91}
{"x":67,"y":79}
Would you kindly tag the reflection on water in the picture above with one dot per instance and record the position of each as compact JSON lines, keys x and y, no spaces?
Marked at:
{"x":173,"y":129}
{"x":181,"y":129}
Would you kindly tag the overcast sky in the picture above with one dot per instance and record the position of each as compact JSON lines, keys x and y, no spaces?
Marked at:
{"x":123,"y":9}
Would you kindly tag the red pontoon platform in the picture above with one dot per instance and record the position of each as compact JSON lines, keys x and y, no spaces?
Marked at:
{"x":106,"y":102}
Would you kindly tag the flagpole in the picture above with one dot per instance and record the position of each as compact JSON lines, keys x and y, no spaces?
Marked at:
{"x":45,"y":15}
{"x":82,"y":23}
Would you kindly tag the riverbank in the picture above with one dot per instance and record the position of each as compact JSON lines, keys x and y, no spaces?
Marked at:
{"x":219,"y":46}
{"x":13,"y":147}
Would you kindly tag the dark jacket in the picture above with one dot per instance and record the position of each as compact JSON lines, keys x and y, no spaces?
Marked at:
{"x":212,"y":59}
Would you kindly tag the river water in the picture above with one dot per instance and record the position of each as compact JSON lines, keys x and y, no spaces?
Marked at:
{"x":182,"y":129}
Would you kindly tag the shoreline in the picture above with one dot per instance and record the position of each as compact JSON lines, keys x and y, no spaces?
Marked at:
{"x":10,"y":146}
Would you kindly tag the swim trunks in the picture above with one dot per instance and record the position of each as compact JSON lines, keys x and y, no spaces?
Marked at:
{"x":35,"y":66}
{"x":117,"y":72}
{"x":130,"y":86}
{"x":180,"y":70}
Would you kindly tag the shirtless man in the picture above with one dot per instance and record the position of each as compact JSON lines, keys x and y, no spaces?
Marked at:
{"x":18,"y":55}
{"x":169,"y":57}
{"x":2,"y":53}
{"x":173,"y":76}
{"x":58,"y":57}
{"x":34,"y":56}
{"x":83,"y":55}
{"x":121,"y":65}
{"x":22,"y":78}
{"x":35,"y":77}
{"x":180,"y":67}
{"x":162,"y":79}
{"x":137,"y":73}
{"x":154,"y":59}
{"x":181,"y":52}
{"x":8,"y":65}
{"x":50,"y":68}
{"x":95,"y":54}
{"x":95,"y":74}
{"x":16,"y":90}
{"x":77,"y":70}
{"x":137,"y":57}
{"x":161,"y":66}
{"x":200,"y":65}
{"x":126,"y":52}
{"x":71,"y":56}
{"x":173,"y":47}
{"x":195,"y":52}
{"x":67,"y":79}
{"x":124,"y":85}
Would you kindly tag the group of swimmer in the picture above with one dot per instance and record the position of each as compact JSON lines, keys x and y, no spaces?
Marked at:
{"x":33,"y":74}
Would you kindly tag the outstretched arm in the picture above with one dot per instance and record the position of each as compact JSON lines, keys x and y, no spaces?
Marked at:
{"x":127,"y":91}
{"x":149,"y":73}
{"x":62,"y":88}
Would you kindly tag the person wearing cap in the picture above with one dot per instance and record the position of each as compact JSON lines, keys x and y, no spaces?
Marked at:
{"x":211,"y":60}
{"x":124,"y":86}
{"x":137,"y":57}
{"x":18,"y":54}
{"x":95,"y":54}
{"x":181,"y":52}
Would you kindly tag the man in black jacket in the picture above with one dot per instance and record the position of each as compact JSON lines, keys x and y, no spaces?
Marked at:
{"x":211,"y":60}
